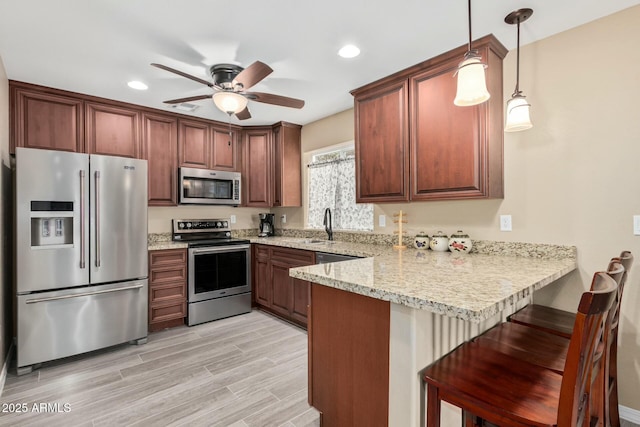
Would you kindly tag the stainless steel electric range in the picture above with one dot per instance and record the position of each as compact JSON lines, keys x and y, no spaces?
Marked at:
{"x":219,"y":269}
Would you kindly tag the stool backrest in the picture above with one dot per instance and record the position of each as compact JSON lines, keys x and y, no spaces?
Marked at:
{"x":626,"y":259}
{"x":573,"y":407}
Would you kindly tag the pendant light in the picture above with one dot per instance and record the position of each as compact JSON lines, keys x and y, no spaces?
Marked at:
{"x":472,"y":85}
{"x":517,"y":107}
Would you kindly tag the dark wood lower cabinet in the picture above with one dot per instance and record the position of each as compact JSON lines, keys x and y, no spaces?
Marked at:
{"x":348,"y":357}
{"x":167,"y":288}
{"x":273,"y":289}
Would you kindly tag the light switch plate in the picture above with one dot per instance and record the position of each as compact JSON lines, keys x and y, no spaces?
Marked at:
{"x":382,"y":221}
{"x":283,"y":218}
{"x":233,"y":219}
{"x":636,"y":225}
{"x":505,"y":222}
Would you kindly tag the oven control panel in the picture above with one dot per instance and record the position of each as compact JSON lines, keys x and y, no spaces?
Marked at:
{"x":200,"y":225}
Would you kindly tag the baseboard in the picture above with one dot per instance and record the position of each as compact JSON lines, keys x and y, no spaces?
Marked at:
{"x":5,"y":368}
{"x":629,"y":414}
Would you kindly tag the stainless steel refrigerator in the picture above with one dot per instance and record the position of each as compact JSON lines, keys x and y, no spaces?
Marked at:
{"x":81,"y":253}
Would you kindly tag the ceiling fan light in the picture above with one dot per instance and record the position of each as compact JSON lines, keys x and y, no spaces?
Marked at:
{"x":230,"y":102}
{"x":518,"y":117}
{"x":472,"y":85}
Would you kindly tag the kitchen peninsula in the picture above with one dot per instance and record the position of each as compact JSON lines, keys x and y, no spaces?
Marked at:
{"x":374,"y":323}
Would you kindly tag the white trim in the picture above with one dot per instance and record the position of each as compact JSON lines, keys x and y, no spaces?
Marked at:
{"x":629,"y":414}
{"x":5,"y":368}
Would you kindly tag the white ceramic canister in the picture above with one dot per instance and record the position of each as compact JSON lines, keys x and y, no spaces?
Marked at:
{"x":439,"y":242}
{"x":460,"y":242}
{"x":421,"y":241}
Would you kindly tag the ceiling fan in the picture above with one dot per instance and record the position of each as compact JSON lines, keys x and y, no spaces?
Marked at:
{"x":230,"y":83}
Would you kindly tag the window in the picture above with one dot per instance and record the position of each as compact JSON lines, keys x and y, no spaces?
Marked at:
{"x":332,"y":184}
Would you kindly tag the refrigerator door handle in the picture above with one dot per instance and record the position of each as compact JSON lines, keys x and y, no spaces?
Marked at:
{"x":84,"y":294}
{"x":82,"y":220}
{"x":97,"y":180}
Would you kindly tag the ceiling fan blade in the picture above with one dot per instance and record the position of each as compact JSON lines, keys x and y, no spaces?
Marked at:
{"x":180,"y":73}
{"x":253,"y":74}
{"x":244,"y":114}
{"x":269,"y":98}
{"x":187,"y":99}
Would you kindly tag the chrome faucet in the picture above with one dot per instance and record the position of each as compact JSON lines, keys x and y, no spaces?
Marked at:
{"x":327,"y":223}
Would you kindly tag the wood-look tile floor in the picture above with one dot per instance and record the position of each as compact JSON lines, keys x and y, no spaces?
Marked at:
{"x":248,"y":370}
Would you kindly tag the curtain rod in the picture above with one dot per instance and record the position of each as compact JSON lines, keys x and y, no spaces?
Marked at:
{"x":317,"y":164}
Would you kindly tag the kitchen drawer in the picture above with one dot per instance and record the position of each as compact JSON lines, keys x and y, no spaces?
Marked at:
{"x":167,"y":257}
{"x":164,"y":275}
{"x":169,"y":291}
{"x":293,"y":256}
{"x":169,"y":310}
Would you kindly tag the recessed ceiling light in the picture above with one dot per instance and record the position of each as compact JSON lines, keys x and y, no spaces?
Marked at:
{"x":134,"y":84}
{"x":349,"y":51}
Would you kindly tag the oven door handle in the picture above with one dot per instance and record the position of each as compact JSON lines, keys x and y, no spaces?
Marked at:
{"x":217,"y":249}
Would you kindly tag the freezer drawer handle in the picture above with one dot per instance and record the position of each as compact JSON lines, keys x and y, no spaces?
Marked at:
{"x":97,"y":218}
{"x":84,"y":294}
{"x":82,"y":224}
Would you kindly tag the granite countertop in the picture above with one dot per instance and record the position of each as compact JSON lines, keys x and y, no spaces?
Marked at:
{"x":471,"y":287}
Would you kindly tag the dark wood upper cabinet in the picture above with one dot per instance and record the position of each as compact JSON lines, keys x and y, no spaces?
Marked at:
{"x":160,"y":149}
{"x":194,"y":144}
{"x":48,"y":118}
{"x":287,"y":174}
{"x":44,"y":120}
{"x":223,"y":148}
{"x":382,"y":144}
{"x":413,"y":143}
{"x":257,"y":176}
{"x":112,"y":130}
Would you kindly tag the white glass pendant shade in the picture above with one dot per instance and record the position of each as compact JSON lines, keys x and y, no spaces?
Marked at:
{"x":230,"y":102}
{"x":518,"y":114}
{"x":472,"y":85}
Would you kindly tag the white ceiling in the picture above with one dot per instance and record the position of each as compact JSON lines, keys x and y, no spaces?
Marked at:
{"x":96,"y":46}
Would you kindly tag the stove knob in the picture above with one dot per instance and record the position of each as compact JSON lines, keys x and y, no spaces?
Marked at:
{"x":181,"y":225}
{"x":188,"y":225}
{"x":225,"y":224}
{"x":219,"y":224}
{"x":228,"y":234}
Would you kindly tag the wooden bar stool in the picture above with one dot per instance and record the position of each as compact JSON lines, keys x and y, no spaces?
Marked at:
{"x":507,"y":391}
{"x":556,"y":321}
{"x":550,"y":351}
{"x":561,"y":323}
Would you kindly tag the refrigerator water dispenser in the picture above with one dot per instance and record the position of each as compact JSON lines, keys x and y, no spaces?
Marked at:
{"x":51,"y":224}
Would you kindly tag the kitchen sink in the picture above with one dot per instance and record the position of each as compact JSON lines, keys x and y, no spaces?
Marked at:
{"x":320,"y":241}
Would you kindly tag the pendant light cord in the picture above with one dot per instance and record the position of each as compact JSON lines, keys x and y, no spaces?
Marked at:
{"x":469,"y":12}
{"x":518,"y":62}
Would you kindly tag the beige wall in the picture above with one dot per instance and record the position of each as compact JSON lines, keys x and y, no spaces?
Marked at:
{"x":573,"y":179}
{"x":5,"y":219}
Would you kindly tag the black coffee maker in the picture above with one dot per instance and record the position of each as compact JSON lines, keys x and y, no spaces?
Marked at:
{"x":266,"y":224}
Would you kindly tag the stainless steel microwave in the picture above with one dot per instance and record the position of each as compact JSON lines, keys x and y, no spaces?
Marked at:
{"x":209,"y":187}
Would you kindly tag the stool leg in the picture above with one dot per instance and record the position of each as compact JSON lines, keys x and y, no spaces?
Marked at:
{"x":612,"y":383}
{"x":433,"y":406}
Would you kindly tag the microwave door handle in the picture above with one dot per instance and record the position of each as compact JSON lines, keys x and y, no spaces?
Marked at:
{"x":97,"y":183}
{"x":82,"y":220}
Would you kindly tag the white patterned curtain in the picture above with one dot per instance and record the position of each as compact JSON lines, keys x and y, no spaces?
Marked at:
{"x":332,"y":185}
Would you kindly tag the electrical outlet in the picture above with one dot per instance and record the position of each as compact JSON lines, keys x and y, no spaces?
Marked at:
{"x":382,"y":221}
{"x":636,"y":225}
{"x":233,"y":219}
{"x":505,"y":222}
{"x":283,"y":218}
